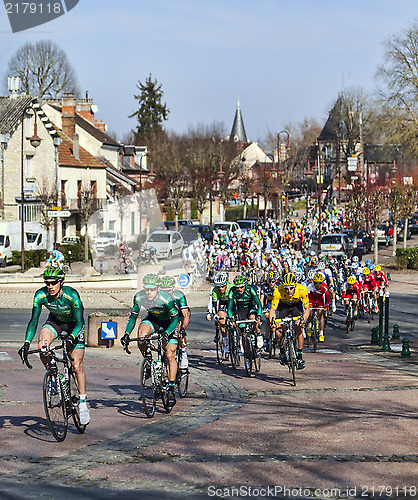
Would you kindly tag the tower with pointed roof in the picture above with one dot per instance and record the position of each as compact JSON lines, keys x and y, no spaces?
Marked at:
{"x":238,"y":134}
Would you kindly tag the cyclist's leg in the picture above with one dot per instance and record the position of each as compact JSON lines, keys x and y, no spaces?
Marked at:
{"x":171,"y":356}
{"x":77,"y":364}
{"x":145,"y":328}
{"x":46,"y":336}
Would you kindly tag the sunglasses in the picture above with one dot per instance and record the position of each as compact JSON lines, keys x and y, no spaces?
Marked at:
{"x":51,"y":283}
{"x":290,"y":287}
{"x":241,"y":286}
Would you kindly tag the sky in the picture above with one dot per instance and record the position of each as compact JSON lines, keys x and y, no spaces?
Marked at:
{"x":284,"y":61}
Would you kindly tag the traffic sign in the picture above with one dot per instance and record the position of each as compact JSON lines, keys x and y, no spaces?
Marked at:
{"x":59,"y":213}
{"x":352,"y":163}
{"x":184,"y":280}
{"x":108,"y":330}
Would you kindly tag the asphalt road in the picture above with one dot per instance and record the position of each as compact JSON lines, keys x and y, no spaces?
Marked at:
{"x":402,"y":309}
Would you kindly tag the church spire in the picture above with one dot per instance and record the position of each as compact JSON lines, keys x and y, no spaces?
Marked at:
{"x":238,"y":130}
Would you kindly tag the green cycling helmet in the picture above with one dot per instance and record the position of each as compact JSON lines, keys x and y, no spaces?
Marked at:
{"x":151,"y":281}
{"x":167,"y":282}
{"x":240,"y":280}
{"x":54,"y":273}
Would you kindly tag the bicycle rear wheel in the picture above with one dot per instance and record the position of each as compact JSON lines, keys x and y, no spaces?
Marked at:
{"x":54,"y":405}
{"x":148,"y":381}
{"x":234,"y":347}
{"x":257,"y":359}
{"x":164,"y":387}
{"x":272,"y":344}
{"x":75,"y":402}
{"x":182,"y":378}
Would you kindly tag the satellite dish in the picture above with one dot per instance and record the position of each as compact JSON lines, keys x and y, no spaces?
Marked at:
{"x":94,"y":108}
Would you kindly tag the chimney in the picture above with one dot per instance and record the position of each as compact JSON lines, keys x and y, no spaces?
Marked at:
{"x":85,"y":109}
{"x":68,"y":115}
{"x":76,"y":146}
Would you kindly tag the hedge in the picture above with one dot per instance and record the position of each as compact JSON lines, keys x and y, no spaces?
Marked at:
{"x":33,"y":258}
{"x":407,"y":258}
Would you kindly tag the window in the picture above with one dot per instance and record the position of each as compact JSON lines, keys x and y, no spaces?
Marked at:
{"x":7,"y":241}
{"x":132,"y":223}
{"x":63,"y":194}
{"x":112,"y":225}
{"x":28,"y":166}
{"x":32,"y":212}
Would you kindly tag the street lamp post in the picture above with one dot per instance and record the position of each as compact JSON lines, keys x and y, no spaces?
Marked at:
{"x":319,"y":182}
{"x":140,"y":208}
{"x":57,"y":142}
{"x":309,"y":175}
{"x":265,"y":184}
{"x":4,"y":139}
{"x":35,"y":141}
{"x":278,"y":159}
{"x":220,"y":174}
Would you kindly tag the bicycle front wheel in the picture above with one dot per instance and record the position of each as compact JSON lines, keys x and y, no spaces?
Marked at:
{"x":219,"y":345}
{"x":182,"y":382}
{"x":291,"y":360}
{"x":248,"y":356}
{"x":54,"y":404}
{"x":75,"y":402}
{"x":315,"y":333}
{"x":148,"y":384}
{"x":272,"y":344}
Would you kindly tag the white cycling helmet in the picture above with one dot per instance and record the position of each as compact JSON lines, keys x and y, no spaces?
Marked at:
{"x":355,"y":258}
{"x":321,"y":266}
{"x":221,"y":279}
{"x":311,"y":274}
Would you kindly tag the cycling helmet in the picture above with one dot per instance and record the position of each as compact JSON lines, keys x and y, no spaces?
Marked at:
{"x":322,"y":256}
{"x":366,"y":271}
{"x":371,"y":267}
{"x":240,"y":280}
{"x":367,"y":262}
{"x":167,"y":282}
{"x":151,"y":281}
{"x":351,"y":280}
{"x":377,"y":268}
{"x":289,"y":279}
{"x":318,"y":278}
{"x":50,"y":249}
{"x":355,"y":266}
{"x":299,"y":277}
{"x":54,"y":273}
{"x":355,"y":258}
{"x":311,"y":274}
{"x":321,"y":266}
{"x":272,"y":276}
{"x":221,"y":279}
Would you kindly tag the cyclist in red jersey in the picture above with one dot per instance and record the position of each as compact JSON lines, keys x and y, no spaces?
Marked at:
{"x":370,"y":285}
{"x":380,"y":277}
{"x":319,"y":296}
{"x":351,"y":290}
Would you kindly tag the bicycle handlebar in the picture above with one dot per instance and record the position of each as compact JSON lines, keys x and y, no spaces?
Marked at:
{"x":36,"y":351}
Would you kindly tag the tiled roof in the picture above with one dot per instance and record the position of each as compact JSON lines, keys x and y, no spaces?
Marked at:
{"x":115,"y":172}
{"x":67,"y":159}
{"x":11,"y":111}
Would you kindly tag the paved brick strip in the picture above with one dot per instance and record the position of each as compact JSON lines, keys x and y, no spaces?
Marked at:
{"x":222,"y":397}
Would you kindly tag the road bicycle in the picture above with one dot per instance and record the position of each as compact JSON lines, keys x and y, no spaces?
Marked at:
{"x":367,"y":305}
{"x":234,"y":343}
{"x":219,"y":342}
{"x":314,"y":337}
{"x":252,"y":354}
{"x":350,"y":318}
{"x":60,"y":391}
{"x":289,"y":344}
{"x":153,"y":376}
{"x":271,"y":342}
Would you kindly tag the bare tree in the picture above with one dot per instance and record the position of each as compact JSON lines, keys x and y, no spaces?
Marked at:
{"x":47,"y":197}
{"x":409,"y":198}
{"x":87,"y":205}
{"x":44,"y":70}
{"x":355,"y":209}
{"x":376,"y":198}
{"x":395,"y":207}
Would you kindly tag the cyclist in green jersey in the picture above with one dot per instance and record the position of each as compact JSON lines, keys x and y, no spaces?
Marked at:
{"x":162,"y":313}
{"x":66,"y":321}
{"x":267,"y":291}
{"x":218,"y":303}
{"x":168,"y":284}
{"x":244,"y":301}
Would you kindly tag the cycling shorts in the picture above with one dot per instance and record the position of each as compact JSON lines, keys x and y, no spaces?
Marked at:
{"x":317,"y":301}
{"x":156,"y":325}
{"x":367,"y":287}
{"x":293,"y":310}
{"x":349,"y":295}
{"x":61,"y":329}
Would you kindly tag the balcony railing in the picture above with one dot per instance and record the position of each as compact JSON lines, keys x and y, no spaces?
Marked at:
{"x":77,"y":204}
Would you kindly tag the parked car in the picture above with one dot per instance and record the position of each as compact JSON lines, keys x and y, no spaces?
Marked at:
{"x":339,"y":244}
{"x":171,"y":224}
{"x":399,"y":232}
{"x":413,"y":224}
{"x":247,"y":224}
{"x":70,"y":240}
{"x":106,"y":239}
{"x":206,"y":231}
{"x":166,"y":242}
{"x":227,"y":226}
{"x":364,"y":240}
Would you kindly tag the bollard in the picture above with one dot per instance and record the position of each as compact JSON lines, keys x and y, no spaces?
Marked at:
{"x":406,"y":353}
{"x":380,"y":316}
{"x":395,"y":334}
{"x":388,"y":276}
{"x":386,"y":314}
{"x":375,"y":336}
{"x":385,"y":343}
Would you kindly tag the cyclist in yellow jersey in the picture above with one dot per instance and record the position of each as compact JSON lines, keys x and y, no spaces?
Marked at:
{"x":290,"y":299}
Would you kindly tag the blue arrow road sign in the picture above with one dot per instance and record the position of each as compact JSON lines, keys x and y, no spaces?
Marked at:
{"x":108,"y":330}
{"x":184,"y":280}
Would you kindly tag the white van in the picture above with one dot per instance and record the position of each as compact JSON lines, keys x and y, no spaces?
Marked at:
{"x":10,"y":239}
{"x":228,"y":226}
